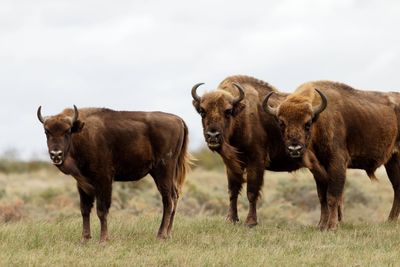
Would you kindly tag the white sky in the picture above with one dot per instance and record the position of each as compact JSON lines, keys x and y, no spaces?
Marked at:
{"x":146,"y":55}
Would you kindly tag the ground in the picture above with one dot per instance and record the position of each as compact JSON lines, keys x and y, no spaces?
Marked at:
{"x":40,"y":224}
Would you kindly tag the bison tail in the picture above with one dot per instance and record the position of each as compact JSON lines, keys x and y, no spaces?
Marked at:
{"x":184,"y":160}
{"x":371,"y":175}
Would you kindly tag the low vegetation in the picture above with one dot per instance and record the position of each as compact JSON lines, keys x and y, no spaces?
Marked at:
{"x":40,"y":223}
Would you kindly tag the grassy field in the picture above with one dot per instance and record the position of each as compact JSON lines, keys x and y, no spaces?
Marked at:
{"x":40,"y":223}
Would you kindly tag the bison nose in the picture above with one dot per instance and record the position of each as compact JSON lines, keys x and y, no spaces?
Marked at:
{"x":213,"y":135}
{"x":56,"y":153}
{"x":295,"y":150}
{"x":56,"y":156}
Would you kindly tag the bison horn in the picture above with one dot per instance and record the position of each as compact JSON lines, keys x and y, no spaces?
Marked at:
{"x":194,"y":93}
{"x":268,"y":108}
{"x":317,"y":110}
{"x":76,"y":114}
{"x":241,"y":94}
{"x":39,"y":115}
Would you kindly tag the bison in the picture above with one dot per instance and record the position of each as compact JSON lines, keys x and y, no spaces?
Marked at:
{"x":357,"y":129}
{"x":98,"y":146}
{"x":248,"y":139}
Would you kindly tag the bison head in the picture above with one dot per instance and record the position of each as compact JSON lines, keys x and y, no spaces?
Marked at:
{"x":295,"y":118}
{"x":59,"y":130}
{"x":218,"y":110}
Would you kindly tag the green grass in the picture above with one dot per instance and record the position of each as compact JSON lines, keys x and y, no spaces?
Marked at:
{"x":199,"y":241}
{"x":40,"y":223}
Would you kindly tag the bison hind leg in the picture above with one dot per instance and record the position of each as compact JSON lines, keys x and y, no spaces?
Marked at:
{"x":393,"y":172}
{"x":164,"y":178}
{"x":175,"y":197}
{"x":103,"y":203}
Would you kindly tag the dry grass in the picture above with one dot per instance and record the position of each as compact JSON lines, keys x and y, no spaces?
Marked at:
{"x":40,"y":224}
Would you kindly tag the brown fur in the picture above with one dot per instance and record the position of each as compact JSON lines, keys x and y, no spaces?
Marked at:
{"x":243,"y":133}
{"x":358,"y":129}
{"x":103,"y":146}
{"x":184,"y":161}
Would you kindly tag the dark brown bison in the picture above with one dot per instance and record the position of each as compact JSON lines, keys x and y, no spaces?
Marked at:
{"x":98,"y":146}
{"x":332,"y":127}
{"x":248,"y":140}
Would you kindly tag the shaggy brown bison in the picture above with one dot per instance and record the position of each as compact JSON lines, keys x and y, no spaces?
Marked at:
{"x":98,"y":146}
{"x":332,"y":127}
{"x":248,"y":140}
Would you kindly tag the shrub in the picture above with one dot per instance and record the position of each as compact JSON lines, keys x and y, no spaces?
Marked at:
{"x":10,"y":212}
{"x":303,"y":195}
{"x":8,"y":166}
{"x":208,"y":160}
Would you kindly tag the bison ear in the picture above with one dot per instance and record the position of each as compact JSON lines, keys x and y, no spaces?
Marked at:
{"x":196,"y":105}
{"x":237,"y":108}
{"x":77,"y":127}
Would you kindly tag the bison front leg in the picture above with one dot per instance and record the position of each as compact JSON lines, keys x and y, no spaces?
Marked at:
{"x":322,"y":195}
{"x":334,"y":197}
{"x":321,"y":180}
{"x":103,"y":203}
{"x":86,"y":203}
{"x":235,"y":183}
{"x":255,"y":180}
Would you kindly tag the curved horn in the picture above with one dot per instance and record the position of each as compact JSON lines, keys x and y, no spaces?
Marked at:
{"x":194,"y":93}
{"x":267,"y":108}
{"x":39,"y":115}
{"x":241,"y":93}
{"x":76,"y":114}
{"x":318,"y":109}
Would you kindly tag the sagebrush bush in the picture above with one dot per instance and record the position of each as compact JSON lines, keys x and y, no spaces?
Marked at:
{"x":9,"y":166}
{"x":11,"y":211}
{"x":207,"y":160}
{"x":299,"y":194}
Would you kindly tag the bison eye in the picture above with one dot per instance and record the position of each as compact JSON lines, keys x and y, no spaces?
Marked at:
{"x":307,"y":126}
{"x":47,"y":132}
{"x":228,"y":113}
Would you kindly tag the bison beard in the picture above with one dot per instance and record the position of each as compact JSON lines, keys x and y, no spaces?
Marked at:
{"x":99,"y":146}
{"x":230,"y":157}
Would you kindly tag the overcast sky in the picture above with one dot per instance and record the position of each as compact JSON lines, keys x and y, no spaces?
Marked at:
{"x":146,"y":55}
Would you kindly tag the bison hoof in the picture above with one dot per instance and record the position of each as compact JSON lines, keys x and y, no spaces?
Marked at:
{"x":162,"y":236}
{"x":332,"y":227}
{"x":103,"y":240}
{"x":84,"y":239}
{"x":251,"y":222}
{"x":329,"y":226}
{"x":322,"y":225}
{"x":232,"y":219}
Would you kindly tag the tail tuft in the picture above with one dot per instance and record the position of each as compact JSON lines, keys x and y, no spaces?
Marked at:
{"x":371,"y":175}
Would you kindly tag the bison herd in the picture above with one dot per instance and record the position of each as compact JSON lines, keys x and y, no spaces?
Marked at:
{"x":324,"y":126}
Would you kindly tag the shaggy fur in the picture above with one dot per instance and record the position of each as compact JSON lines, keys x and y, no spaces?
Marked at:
{"x":103,"y":146}
{"x":358,"y":129}
{"x":250,"y":139}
